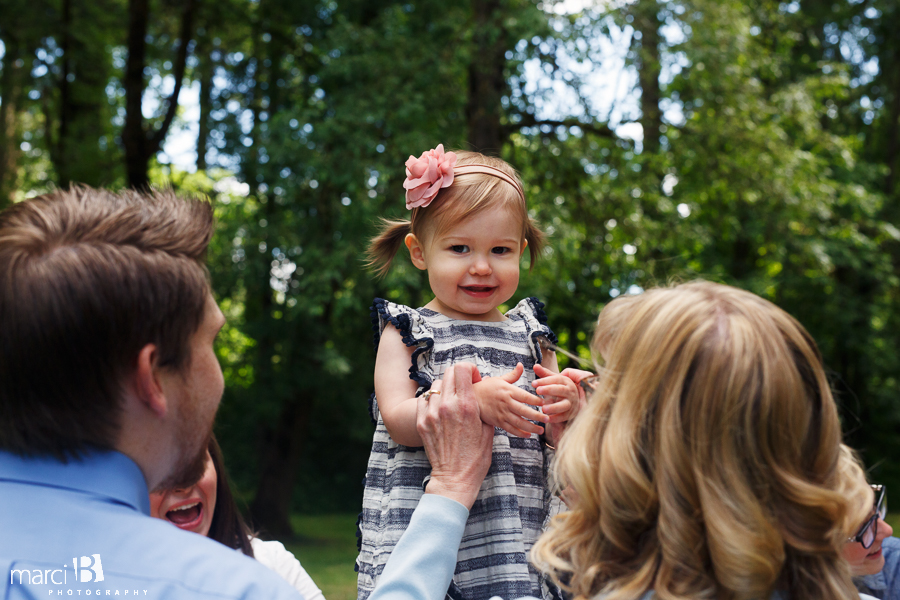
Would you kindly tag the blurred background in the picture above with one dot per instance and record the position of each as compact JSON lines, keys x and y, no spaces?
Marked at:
{"x":751,"y":142}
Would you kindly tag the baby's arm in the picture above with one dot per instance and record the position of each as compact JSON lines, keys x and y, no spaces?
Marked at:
{"x":394,"y":390}
{"x":501,"y":403}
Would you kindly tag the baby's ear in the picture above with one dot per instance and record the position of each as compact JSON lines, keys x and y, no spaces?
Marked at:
{"x":416,"y":253}
{"x":524,"y":245}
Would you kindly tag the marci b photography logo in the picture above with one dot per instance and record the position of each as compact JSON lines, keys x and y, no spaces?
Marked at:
{"x":85,"y":569}
{"x":90,"y":571}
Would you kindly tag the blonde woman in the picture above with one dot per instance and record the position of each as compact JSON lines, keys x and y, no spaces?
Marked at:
{"x":707,"y":464}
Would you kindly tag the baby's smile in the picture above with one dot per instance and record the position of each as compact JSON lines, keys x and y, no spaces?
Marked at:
{"x":478,"y":291}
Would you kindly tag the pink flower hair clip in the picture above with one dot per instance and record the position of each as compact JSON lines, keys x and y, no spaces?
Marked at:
{"x":426,"y":175}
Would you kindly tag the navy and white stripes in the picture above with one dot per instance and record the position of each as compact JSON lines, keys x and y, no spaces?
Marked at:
{"x":514,"y":504}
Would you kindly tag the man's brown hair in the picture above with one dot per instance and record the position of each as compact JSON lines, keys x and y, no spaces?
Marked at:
{"x":87,"y":278}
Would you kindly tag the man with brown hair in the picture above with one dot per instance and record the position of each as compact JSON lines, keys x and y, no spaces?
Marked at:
{"x":108,"y":387}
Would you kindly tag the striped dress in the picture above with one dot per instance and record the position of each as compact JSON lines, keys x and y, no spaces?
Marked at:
{"x":514,"y":503}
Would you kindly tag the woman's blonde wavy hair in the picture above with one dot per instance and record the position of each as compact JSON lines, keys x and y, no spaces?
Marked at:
{"x":709,"y":462}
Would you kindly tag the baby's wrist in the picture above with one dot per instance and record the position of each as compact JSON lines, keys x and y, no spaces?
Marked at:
{"x":477,"y":390}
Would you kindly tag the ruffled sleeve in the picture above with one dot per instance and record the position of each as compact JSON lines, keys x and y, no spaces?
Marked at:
{"x":531,"y":311}
{"x":415,"y":333}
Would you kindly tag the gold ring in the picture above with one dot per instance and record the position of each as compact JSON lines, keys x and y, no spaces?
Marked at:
{"x":427,"y":395}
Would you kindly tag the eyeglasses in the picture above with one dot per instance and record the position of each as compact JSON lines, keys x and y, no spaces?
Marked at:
{"x":867,"y":533}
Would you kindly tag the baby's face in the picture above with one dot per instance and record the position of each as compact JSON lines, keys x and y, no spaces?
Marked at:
{"x":473,"y":267}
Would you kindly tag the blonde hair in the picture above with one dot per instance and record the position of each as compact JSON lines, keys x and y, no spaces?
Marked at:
{"x":468,"y":195}
{"x":708,"y":463}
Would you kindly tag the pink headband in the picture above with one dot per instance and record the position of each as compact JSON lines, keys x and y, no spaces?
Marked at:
{"x":435,"y":169}
{"x":466,"y":169}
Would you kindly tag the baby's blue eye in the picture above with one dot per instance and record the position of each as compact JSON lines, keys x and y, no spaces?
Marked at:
{"x":459,"y":249}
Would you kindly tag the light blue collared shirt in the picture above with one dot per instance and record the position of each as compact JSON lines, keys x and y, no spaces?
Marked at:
{"x":95,"y":513}
{"x":886,"y":583}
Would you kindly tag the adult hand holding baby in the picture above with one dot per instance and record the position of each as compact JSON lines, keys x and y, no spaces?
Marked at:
{"x":456,"y":439}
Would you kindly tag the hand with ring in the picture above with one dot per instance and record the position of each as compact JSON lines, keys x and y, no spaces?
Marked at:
{"x":458,"y":443}
{"x":427,"y":395}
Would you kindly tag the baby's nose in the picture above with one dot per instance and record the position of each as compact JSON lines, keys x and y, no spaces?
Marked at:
{"x":480,"y":266}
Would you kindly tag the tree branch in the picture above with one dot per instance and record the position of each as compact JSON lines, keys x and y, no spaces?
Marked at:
{"x":133,"y":136}
{"x":187,"y":30}
{"x":529,"y":120}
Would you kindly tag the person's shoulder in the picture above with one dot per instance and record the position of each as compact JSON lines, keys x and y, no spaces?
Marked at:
{"x":389,"y":311}
{"x":198,"y":565}
{"x":890,"y":548}
{"x":383,"y":306}
{"x":530,"y":309}
{"x":99,"y":515}
{"x":136,"y":552}
{"x":410,"y":322}
{"x":282,"y":561}
{"x":266,"y":551}
{"x":891,"y":543}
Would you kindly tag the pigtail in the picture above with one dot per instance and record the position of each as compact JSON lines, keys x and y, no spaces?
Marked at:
{"x":383,"y":247}
{"x":536,"y":240}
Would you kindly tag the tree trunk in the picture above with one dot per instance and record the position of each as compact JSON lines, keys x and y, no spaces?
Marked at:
{"x":10,"y":92}
{"x":206,"y":72}
{"x":853,"y":371}
{"x":58,"y":155}
{"x":140,"y":144}
{"x":179,"y":65}
{"x":890,"y":158}
{"x":133,"y":136}
{"x":646,"y":21}
{"x":271,"y":507}
{"x":486,"y":81}
{"x":284,"y":441}
{"x":82,"y":115}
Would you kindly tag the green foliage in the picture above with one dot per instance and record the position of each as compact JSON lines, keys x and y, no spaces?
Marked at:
{"x":776,"y":173}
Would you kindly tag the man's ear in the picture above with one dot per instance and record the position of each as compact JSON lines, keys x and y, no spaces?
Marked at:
{"x":416,"y":254}
{"x":524,"y":245}
{"x":147,"y":382}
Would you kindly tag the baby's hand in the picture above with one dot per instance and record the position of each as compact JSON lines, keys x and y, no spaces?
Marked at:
{"x":577,"y":375}
{"x":503,"y":405}
{"x":561,"y":390}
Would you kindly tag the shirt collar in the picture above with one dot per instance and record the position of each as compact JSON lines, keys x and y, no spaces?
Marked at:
{"x":875,"y":582}
{"x":99,"y":472}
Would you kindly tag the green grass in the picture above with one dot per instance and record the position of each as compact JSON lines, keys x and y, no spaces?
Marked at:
{"x":893,"y":519}
{"x":326,"y":547}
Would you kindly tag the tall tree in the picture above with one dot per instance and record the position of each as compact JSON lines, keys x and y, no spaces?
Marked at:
{"x":76,"y":65}
{"x":140,"y":141}
{"x":11,"y":91}
{"x":649,"y":66}
{"x":206,"y":66}
{"x":487,"y":81}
